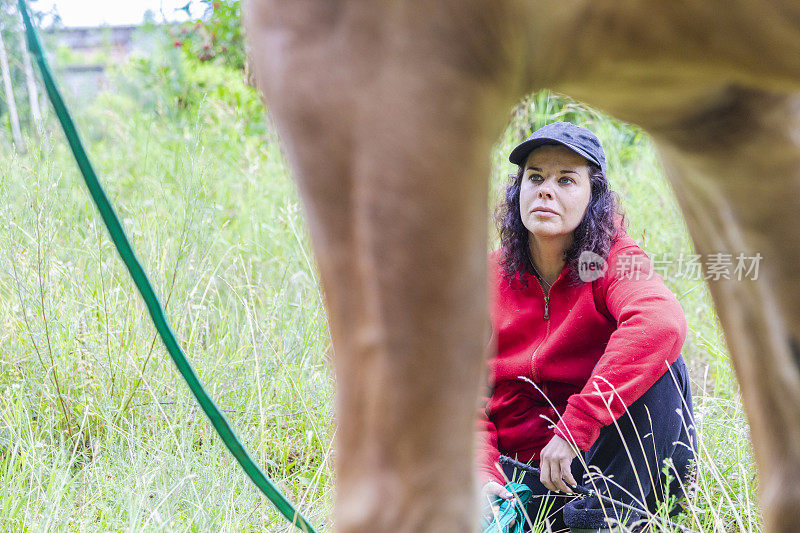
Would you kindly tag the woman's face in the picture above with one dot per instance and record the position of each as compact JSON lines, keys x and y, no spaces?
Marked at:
{"x":555,"y":179}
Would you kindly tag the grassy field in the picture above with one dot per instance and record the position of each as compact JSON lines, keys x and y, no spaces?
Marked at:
{"x":97,"y":430}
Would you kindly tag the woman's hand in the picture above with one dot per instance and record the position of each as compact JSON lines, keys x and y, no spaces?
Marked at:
{"x":488,"y":492}
{"x":554,"y":463}
{"x":493,"y":488}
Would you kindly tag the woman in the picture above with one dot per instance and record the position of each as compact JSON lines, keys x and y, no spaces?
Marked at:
{"x":579,"y":312}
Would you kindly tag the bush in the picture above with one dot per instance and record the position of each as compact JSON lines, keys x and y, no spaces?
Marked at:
{"x":173,"y":85}
{"x":216,"y":37}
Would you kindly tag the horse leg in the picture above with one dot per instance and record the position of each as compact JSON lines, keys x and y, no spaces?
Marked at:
{"x":717,"y":98}
{"x":389,"y":142}
{"x":736,"y":172}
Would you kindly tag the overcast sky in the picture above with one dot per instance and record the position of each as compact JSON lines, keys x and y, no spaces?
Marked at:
{"x":115,"y":12}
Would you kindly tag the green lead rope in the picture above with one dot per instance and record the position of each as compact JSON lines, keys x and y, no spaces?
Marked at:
{"x":111,"y":221}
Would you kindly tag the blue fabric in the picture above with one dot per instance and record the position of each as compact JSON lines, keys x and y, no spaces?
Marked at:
{"x":508,"y":516}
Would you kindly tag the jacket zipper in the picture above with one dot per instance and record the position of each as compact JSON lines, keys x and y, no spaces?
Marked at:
{"x":547,"y":297}
{"x":534,"y":373}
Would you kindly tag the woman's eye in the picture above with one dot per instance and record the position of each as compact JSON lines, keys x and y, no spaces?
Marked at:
{"x":565,"y":179}
{"x":535,"y":177}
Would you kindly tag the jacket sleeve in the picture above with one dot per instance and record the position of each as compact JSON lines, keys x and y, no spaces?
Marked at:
{"x":487,"y":448}
{"x":651,"y":330}
{"x":486,"y":445}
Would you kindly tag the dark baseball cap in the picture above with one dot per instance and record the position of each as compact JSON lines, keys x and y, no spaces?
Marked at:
{"x":578,"y":139}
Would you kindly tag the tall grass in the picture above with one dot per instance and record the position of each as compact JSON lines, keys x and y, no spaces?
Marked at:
{"x":97,"y":430}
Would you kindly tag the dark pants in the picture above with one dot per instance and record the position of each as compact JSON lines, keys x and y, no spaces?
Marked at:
{"x":631,"y":456}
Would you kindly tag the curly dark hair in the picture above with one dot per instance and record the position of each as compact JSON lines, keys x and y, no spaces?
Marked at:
{"x":595,"y":233}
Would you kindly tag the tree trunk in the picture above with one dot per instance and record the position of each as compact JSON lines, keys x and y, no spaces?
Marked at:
{"x":12,"y":105}
{"x":33,"y":93}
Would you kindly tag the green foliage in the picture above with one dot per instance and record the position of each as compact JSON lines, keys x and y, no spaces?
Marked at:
{"x":176,"y":86}
{"x":13,"y":37}
{"x":216,"y":36}
{"x":97,"y":431}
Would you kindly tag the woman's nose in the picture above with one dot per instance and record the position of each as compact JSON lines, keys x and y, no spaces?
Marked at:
{"x":544,"y":192}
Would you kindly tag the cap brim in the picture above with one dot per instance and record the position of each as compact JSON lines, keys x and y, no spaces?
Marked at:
{"x":522,"y":151}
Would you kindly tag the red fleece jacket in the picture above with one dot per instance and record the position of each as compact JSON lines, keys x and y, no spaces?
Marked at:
{"x":599,"y":351}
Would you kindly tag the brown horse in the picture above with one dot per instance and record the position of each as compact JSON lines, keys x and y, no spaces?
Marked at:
{"x":388,"y":111}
